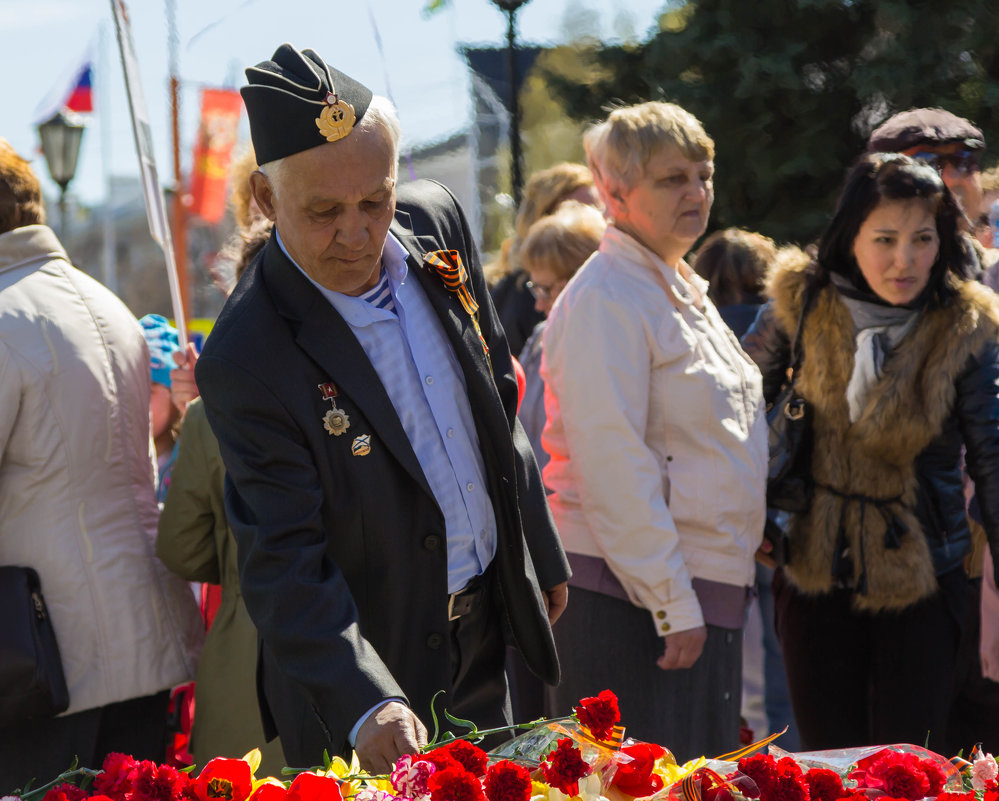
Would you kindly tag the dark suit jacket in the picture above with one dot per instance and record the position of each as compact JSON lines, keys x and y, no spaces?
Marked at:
{"x":343,"y":559}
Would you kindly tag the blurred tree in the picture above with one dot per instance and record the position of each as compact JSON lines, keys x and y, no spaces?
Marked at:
{"x":790,"y":89}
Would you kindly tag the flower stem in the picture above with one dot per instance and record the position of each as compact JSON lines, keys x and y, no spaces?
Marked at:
{"x":478,"y":734}
{"x":67,"y":776}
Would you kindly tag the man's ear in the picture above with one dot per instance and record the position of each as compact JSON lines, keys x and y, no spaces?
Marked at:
{"x":263,"y":194}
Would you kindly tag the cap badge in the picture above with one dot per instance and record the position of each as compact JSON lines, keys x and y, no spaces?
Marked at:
{"x":361,"y":446}
{"x":335,"y":421}
{"x":336,"y":120}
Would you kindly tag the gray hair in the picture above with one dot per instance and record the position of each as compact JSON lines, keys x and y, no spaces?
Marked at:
{"x":379,"y":114}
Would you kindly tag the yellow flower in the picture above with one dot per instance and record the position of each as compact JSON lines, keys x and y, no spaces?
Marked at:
{"x":672,"y":773}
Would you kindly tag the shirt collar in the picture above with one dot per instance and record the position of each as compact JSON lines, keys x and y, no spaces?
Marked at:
{"x":620,"y":244}
{"x":357,"y":312}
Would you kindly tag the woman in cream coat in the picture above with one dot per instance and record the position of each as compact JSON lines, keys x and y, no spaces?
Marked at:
{"x":77,"y":500}
{"x":658,"y":448}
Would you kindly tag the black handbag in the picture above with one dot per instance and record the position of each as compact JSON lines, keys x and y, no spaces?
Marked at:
{"x":32,"y":684}
{"x":789,"y":420}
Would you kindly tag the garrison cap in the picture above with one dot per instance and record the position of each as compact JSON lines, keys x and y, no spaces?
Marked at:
{"x":924,"y":126}
{"x":296,"y":101}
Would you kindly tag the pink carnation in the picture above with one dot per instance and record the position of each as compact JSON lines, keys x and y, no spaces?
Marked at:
{"x":410,"y":776}
{"x":984,"y":770}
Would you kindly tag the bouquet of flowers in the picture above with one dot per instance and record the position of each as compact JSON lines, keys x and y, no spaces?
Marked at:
{"x":583,"y":757}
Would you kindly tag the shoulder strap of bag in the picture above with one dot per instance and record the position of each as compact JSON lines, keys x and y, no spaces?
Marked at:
{"x":807,"y":296}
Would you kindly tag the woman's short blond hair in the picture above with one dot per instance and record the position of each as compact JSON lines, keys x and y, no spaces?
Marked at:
{"x":21,"y":201}
{"x":619,"y":148}
{"x":562,"y":241}
{"x":544,"y":191}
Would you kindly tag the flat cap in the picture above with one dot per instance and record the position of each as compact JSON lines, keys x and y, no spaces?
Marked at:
{"x":924,"y":126}
{"x":296,"y":101}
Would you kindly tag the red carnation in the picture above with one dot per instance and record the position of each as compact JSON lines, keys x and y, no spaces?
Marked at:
{"x":469,"y":756}
{"x":636,"y":777}
{"x":454,"y":784}
{"x":440,"y":758}
{"x":115,"y":778}
{"x":507,"y":781}
{"x":65,"y":792}
{"x":935,"y":775}
{"x":762,"y":769}
{"x":790,"y":784}
{"x":824,"y":785}
{"x":991,"y":795}
{"x":152,"y":782}
{"x":599,"y":714}
{"x":899,"y":775}
{"x":564,"y":767}
{"x":969,"y":796}
{"x":904,"y":781}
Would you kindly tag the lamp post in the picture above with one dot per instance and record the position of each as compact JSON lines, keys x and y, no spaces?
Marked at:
{"x":510,"y":7}
{"x":61,"y":135}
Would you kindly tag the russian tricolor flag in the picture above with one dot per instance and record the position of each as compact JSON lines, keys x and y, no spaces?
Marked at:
{"x":81,"y":97}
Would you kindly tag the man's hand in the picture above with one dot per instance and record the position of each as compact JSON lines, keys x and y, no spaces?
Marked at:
{"x":183,"y":390}
{"x":683,"y":648}
{"x":555,"y":600}
{"x":389,"y":732}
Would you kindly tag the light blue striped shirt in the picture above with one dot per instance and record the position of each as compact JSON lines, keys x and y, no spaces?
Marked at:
{"x":414,"y":360}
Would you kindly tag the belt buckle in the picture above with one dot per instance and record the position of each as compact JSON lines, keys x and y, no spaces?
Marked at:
{"x":451,"y":616}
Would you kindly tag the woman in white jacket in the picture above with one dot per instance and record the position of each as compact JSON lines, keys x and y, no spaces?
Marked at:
{"x":77,"y":502}
{"x":658,"y":448}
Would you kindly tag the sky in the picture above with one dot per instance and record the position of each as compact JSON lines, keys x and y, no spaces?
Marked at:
{"x":389,"y":45}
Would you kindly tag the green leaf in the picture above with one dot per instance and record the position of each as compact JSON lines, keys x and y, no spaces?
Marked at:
{"x":472,"y":728}
{"x":433,"y":716}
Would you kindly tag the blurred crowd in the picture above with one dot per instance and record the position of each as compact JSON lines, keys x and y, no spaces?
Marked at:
{"x":647,"y":357}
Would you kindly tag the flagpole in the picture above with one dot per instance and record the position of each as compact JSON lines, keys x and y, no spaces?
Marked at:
{"x":179,"y":210}
{"x":109,"y":268}
{"x":152,"y":192}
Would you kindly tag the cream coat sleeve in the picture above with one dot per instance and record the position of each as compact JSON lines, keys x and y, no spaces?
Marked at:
{"x":10,"y":395}
{"x":597,"y":366}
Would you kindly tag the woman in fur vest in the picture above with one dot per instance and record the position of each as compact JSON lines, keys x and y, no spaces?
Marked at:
{"x":901,"y":369}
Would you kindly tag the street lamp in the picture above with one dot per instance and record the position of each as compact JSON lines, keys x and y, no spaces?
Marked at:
{"x":510,"y":7}
{"x":61,"y":136}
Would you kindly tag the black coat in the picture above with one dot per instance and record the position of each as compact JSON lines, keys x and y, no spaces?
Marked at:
{"x":343,"y":558}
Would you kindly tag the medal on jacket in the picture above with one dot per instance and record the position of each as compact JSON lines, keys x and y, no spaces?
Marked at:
{"x":335,"y":421}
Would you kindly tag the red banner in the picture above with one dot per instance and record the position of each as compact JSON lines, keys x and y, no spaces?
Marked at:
{"x":220,"y":110}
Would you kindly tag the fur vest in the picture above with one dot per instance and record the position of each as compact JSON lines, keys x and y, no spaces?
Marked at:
{"x":865,"y":477}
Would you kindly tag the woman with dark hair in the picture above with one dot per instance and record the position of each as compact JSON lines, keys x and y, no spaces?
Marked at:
{"x":734,"y":263}
{"x":901,"y":370}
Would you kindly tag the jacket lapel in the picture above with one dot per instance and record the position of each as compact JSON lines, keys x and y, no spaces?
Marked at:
{"x":322,"y":333}
{"x":456,"y":321}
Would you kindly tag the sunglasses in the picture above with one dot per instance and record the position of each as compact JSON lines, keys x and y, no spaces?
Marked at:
{"x":965,"y":162}
{"x":542,"y":292}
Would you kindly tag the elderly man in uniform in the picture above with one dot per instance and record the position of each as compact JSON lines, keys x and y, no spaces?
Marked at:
{"x":392,"y":526}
